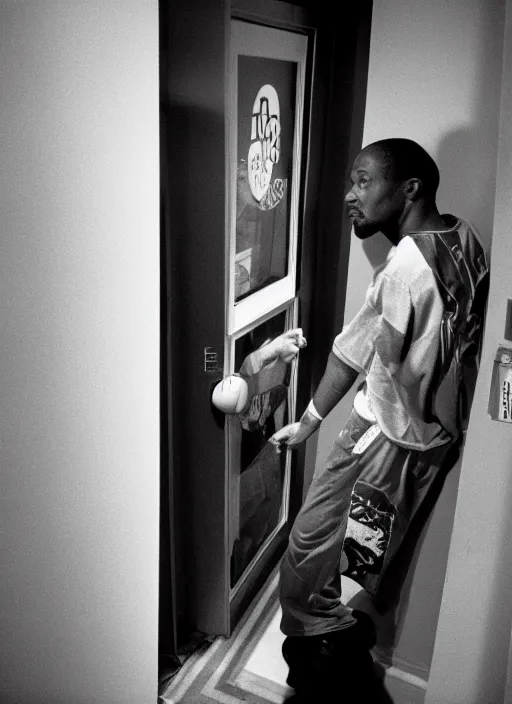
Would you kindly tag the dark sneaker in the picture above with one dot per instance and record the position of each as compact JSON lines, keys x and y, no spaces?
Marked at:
{"x":297,"y":653}
{"x":364,"y":631}
{"x":335,"y":667}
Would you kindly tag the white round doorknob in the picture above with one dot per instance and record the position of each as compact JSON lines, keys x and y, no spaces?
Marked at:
{"x":230,"y":394}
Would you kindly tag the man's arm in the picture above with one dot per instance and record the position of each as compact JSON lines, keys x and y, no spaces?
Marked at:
{"x":338,"y":378}
{"x":256,"y":368}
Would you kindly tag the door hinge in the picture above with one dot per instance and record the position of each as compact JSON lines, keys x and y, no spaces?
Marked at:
{"x":211,"y":361}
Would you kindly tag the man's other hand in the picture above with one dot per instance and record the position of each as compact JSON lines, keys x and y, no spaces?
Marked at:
{"x":294,"y":434}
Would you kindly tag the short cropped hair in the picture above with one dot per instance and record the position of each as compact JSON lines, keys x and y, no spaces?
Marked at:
{"x":403,"y":159}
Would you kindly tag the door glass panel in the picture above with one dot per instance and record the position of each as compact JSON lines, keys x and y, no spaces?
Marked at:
{"x":259,"y":472}
{"x":265,"y":142}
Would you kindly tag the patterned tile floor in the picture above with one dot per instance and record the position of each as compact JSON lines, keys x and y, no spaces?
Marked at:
{"x":248,"y":666}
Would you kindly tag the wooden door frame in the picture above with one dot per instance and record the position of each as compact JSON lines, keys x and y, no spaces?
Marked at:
{"x":193,"y":126}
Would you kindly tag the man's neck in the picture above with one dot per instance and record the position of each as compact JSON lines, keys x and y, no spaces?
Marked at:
{"x":421,"y":217}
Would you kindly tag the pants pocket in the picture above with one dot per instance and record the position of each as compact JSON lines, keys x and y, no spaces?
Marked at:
{"x":354,"y":429}
{"x":368,"y":533}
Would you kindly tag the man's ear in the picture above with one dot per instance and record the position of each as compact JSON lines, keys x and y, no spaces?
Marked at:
{"x":413,"y":188}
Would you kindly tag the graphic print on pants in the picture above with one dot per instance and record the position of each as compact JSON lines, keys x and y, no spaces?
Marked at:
{"x":370,"y":521}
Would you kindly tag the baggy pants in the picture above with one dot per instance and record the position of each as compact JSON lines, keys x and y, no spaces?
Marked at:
{"x":357,"y":509}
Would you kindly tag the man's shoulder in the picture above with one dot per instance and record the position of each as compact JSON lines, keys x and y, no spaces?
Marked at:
{"x":408,"y":265}
{"x":472,"y":246}
{"x":460,"y":241}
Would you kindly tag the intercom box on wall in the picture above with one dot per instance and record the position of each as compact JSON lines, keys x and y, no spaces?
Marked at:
{"x":500,"y":399}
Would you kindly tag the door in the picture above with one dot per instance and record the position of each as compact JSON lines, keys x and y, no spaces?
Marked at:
{"x":259,"y":118}
{"x":265,"y":142}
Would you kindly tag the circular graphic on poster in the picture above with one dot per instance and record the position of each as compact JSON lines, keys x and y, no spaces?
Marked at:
{"x":265,"y":135}
{"x":265,"y":145}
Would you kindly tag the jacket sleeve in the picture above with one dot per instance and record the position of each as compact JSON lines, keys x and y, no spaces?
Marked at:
{"x":380,"y":327}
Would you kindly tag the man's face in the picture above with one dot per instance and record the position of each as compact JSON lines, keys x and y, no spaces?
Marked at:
{"x":374,"y":203}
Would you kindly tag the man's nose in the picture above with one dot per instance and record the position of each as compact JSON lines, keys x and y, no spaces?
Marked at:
{"x":349,"y":196}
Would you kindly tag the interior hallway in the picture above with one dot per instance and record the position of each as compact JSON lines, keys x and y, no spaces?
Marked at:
{"x":80,"y":320}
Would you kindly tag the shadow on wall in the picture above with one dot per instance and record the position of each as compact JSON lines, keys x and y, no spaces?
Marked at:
{"x":463,"y":153}
{"x":467,"y":159}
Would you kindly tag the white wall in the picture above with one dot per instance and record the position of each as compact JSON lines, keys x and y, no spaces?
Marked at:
{"x":79,"y":320}
{"x":434,"y":76}
{"x":472,"y":645}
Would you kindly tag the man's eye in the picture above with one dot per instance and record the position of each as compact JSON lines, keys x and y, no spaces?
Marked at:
{"x":363,"y":182}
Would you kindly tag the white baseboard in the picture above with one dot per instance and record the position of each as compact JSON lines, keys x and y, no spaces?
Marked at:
{"x":405,"y":676}
{"x":403,"y":687}
{"x":419,"y":673}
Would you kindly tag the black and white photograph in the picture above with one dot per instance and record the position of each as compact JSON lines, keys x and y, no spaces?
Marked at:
{"x":256,"y":359}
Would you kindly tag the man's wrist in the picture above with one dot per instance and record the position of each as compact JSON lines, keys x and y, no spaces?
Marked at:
{"x":310,"y":421}
{"x":312,"y":409}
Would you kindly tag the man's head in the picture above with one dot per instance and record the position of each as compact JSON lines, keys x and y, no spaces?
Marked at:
{"x":389,"y":179}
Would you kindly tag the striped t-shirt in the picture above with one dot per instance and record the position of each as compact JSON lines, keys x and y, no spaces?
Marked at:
{"x":394,"y":342}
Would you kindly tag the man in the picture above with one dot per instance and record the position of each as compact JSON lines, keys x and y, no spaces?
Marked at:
{"x":414,"y":337}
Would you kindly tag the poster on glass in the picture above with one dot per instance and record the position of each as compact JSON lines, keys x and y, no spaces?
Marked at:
{"x":267,"y":94}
